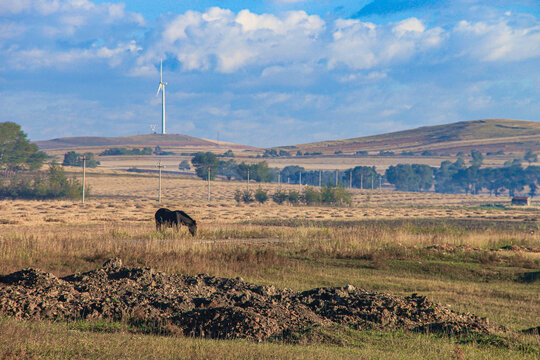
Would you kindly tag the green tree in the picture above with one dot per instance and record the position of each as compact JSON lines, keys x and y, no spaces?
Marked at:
{"x":444,"y":182}
{"x":259,"y":172}
{"x":414,"y":177}
{"x":261,"y":195}
{"x":291,"y":174}
{"x":205,"y":162}
{"x":284,"y":153}
{"x":476,"y":158}
{"x":293,"y":197}
{"x":362,"y":177}
{"x":72,"y":158}
{"x":424,"y":174}
{"x":311,"y":196}
{"x":228,"y":153}
{"x":16,"y":152}
{"x":530,"y":157}
{"x":402,"y":177}
{"x":184,"y":165}
{"x":228,"y":168}
{"x":279,"y":196}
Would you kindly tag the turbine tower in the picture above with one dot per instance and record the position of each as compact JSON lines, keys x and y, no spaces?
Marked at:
{"x":162,"y":88}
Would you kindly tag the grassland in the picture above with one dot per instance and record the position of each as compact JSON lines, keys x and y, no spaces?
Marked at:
{"x":451,"y":248}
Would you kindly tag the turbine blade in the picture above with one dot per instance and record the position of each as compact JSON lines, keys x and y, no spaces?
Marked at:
{"x":159,"y":88}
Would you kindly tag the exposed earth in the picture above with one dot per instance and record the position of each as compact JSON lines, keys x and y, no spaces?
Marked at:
{"x":211,"y":307}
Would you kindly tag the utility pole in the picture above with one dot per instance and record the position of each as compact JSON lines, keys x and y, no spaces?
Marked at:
{"x":208,"y":184}
{"x":248,"y":180}
{"x":300,"y":182}
{"x":350,"y":179}
{"x":159,"y":192}
{"x":361,"y":181}
{"x":372,"y":181}
{"x":83,"y":176}
{"x":336,"y":176}
{"x":279,"y":180}
{"x":320,"y":177}
{"x":380,"y":182}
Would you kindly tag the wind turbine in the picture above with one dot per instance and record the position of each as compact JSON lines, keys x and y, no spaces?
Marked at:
{"x":162,"y":88}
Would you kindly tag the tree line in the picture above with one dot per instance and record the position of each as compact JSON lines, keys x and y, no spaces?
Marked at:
{"x":450,"y":177}
{"x":207,"y":164}
{"x":456,"y":177}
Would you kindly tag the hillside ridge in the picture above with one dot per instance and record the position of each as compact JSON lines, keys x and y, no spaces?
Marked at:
{"x":175,"y":140}
{"x":487,"y":134}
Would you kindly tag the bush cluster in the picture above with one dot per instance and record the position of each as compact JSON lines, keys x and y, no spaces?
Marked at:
{"x":309,"y":196}
{"x":53,"y":184}
{"x":124,"y":151}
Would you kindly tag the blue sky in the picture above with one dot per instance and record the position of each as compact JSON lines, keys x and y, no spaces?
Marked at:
{"x":269,"y":72}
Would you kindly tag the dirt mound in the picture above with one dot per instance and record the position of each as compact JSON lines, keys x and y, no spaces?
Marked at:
{"x":213,"y":307}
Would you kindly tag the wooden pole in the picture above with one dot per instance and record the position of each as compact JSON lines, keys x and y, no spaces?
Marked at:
{"x":248,"y":180}
{"x":350,"y":179}
{"x":320,"y":177}
{"x":84,"y":177}
{"x":159,"y":189}
{"x":208,"y":184}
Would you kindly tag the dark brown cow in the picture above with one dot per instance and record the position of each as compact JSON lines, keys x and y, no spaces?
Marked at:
{"x":167,"y":218}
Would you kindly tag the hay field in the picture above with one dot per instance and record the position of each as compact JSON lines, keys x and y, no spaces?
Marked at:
{"x":309,"y":163}
{"x":137,"y":193}
{"x":450,"y":248}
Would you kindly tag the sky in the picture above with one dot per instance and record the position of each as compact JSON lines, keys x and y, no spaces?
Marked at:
{"x":266,"y":72}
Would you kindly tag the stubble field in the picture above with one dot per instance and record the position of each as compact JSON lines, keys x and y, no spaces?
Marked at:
{"x":460,"y":251}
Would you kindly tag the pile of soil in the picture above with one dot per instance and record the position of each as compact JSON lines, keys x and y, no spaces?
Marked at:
{"x":212,"y":307}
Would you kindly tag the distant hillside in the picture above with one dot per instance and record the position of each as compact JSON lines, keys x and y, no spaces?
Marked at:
{"x":484,"y":135}
{"x":167,"y":140}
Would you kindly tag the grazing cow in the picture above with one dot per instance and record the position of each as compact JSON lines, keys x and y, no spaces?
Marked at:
{"x":168,"y":218}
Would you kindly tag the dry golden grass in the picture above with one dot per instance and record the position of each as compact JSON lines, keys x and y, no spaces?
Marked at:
{"x":379,"y":243}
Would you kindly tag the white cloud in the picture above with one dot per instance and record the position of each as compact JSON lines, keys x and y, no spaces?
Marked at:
{"x":361,"y":45}
{"x":37,"y":58}
{"x":49,"y":33}
{"x":9,"y":30}
{"x":498,"y":41}
{"x":411,"y":25}
{"x":234,"y":41}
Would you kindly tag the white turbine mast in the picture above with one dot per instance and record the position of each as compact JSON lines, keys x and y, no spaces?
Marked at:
{"x":162,"y":88}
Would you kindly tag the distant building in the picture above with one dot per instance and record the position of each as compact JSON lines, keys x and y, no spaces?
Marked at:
{"x":521,"y":200}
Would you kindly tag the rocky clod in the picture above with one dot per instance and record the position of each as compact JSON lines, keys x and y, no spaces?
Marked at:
{"x":207,"y":306}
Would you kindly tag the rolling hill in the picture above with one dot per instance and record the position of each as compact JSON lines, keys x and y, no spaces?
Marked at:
{"x":484,"y":135}
{"x":167,"y":140}
{"x":489,"y":135}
